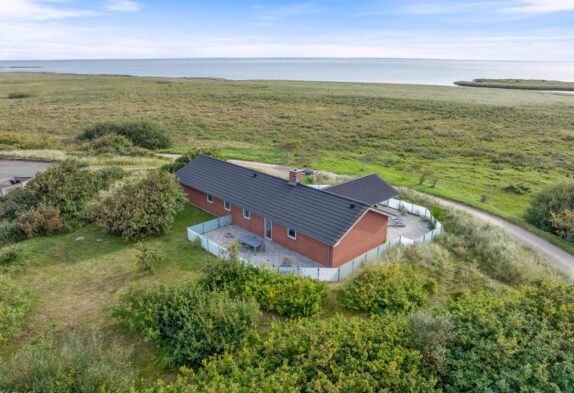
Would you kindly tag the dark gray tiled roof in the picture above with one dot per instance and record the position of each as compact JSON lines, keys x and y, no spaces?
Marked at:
{"x":370,"y":189}
{"x":321,"y":215}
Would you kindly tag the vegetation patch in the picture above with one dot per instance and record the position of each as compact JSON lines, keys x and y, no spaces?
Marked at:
{"x":522,"y":340}
{"x":552,"y":200}
{"x":146,"y":207}
{"x":522,"y":84}
{"x":341,"y":354}
{"x":144,"y":134}
{"x":190,"y":324}
{"x":72,"y":363}
{"x":380,"y":289}
{"x":292,"y":296}
{"x":19,"y":94}
{"x":14,"y":305}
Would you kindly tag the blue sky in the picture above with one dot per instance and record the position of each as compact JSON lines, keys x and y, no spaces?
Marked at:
{"x":473,"y":29}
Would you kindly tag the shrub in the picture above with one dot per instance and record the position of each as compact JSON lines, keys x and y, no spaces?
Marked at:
{"x":73,"y":363}
{"x":564,"y":223}
{"x":521,"y":341}
{"x":41,"y":221}
{"x":18,"y":95}
{"x":66,"y":187}
{"x":147,"y":257}
{"x":437,"y":213}
{"x":111,"y":144}
{"x":9,"y":254}
{"x":340,"y":354}
{"x":14,"y":305}
{"x":291,"y":296}
{"x":189,"y":324}
{"x":431,"y":336}
{"x":147,"y":207}
{"x":144,"y":134}
{"x":189,"y":156}
{"x":384,"y":288}
{"x":517,"y":188}
{"x":20,"y":199}
{"x":555,"y":199}
{"x":105,"y":177}
{"x":8,"y":232}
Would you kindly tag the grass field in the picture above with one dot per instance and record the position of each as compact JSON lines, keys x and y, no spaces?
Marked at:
{"x":489,"y":148}
{"x":73,"y":283}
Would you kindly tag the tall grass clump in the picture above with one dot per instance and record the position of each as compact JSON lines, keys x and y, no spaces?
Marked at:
{"x":14,"y":306}
{"x":73,"y":363}
{"x":495,"y":252}
{"x":146,"y":134}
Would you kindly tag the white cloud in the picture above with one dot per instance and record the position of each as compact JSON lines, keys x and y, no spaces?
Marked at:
{"x":541,"y":6}
{"x":34,"y":10}
{"x":123,"y":6}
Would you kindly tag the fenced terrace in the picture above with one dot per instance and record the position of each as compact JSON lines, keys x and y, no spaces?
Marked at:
{"x":199,"y":233}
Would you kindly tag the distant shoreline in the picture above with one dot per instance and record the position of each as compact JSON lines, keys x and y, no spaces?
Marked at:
{"x":520,"y":84}
{"x":354,"y":70}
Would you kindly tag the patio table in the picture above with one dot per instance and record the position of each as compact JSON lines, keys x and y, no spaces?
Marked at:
{"x":253,"y":242}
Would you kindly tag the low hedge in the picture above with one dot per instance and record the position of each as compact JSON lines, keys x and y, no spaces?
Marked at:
{"x":290,"y":296}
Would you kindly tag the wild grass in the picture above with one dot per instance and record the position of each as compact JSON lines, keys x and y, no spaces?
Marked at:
{"x":74,"y":279}
{"x":478,"y":143}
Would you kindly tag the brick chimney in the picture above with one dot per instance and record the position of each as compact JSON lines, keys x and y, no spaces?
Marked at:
{"x":295,"y":176}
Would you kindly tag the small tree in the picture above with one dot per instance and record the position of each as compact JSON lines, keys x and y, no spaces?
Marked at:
{"x":147,"y":257}
{"x":145,"y":208}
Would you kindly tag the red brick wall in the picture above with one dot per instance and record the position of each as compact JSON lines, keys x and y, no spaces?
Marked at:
{"x":304,"y":245}
{"x":254,"y":224}
{"x":199,"y":199}
{"x":368,"y":233}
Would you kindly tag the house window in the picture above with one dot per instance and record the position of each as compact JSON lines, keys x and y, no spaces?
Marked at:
{"x":209,"y":198}
{"x":246,"y":214}
{"x":227,"y":205}
{"x":292,"y":233}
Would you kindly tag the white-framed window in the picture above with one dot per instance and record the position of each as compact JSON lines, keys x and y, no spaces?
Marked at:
{"x":246,"y":214}
{"x":209,"y":198}
{"x":292,"y":233}
{"x":227,"y":205}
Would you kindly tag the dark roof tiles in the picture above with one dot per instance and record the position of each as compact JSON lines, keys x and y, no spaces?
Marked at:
{"x":369,"y":189}
{"x":321,"y":215}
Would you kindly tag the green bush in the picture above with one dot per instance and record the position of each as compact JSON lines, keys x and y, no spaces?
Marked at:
{"x":189,"y":156}
{"x":431,"y":335}
{"x":9,"y":254}
{"x":14,"y":305}
{"x":40,"y":221}
{"x":111,"y":144}
{"x":385,"y":288}
{"x":555,"y":199}
{"x":74,"y":363}
{"x":517,"y":342}
{"x":18,"y":95}
{"x":147,"y":207}
{"x":66,"y":187}
{"x":189,"y":324}
{"x":147,"y":257}
{"x":341,"y":354}
{"x":8,"y":232}
{"x":144,"y":134}
{"x":291,"y":296}
{"x":20,"y":199}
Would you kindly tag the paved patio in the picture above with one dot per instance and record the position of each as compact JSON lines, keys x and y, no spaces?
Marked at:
{"x":415,"y":227}
{"x":274,"y":254}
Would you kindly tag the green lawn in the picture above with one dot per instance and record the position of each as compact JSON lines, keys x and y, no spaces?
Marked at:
{"x":74,"y":283}
{"x":480,"y":143}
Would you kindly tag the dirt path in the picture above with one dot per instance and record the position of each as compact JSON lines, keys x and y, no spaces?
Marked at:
{"x":543,"y":247}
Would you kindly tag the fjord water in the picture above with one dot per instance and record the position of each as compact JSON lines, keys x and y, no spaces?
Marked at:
{"x":416,"y":71}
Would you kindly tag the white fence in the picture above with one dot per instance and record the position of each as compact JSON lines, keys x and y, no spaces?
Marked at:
{"x":324,"y":273}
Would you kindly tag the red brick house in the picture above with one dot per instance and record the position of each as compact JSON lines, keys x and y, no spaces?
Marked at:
{"x":330,"y":226}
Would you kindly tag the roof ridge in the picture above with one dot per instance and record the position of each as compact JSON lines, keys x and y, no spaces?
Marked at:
{"x":350,"y":180}
{"x":287,"y":181}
